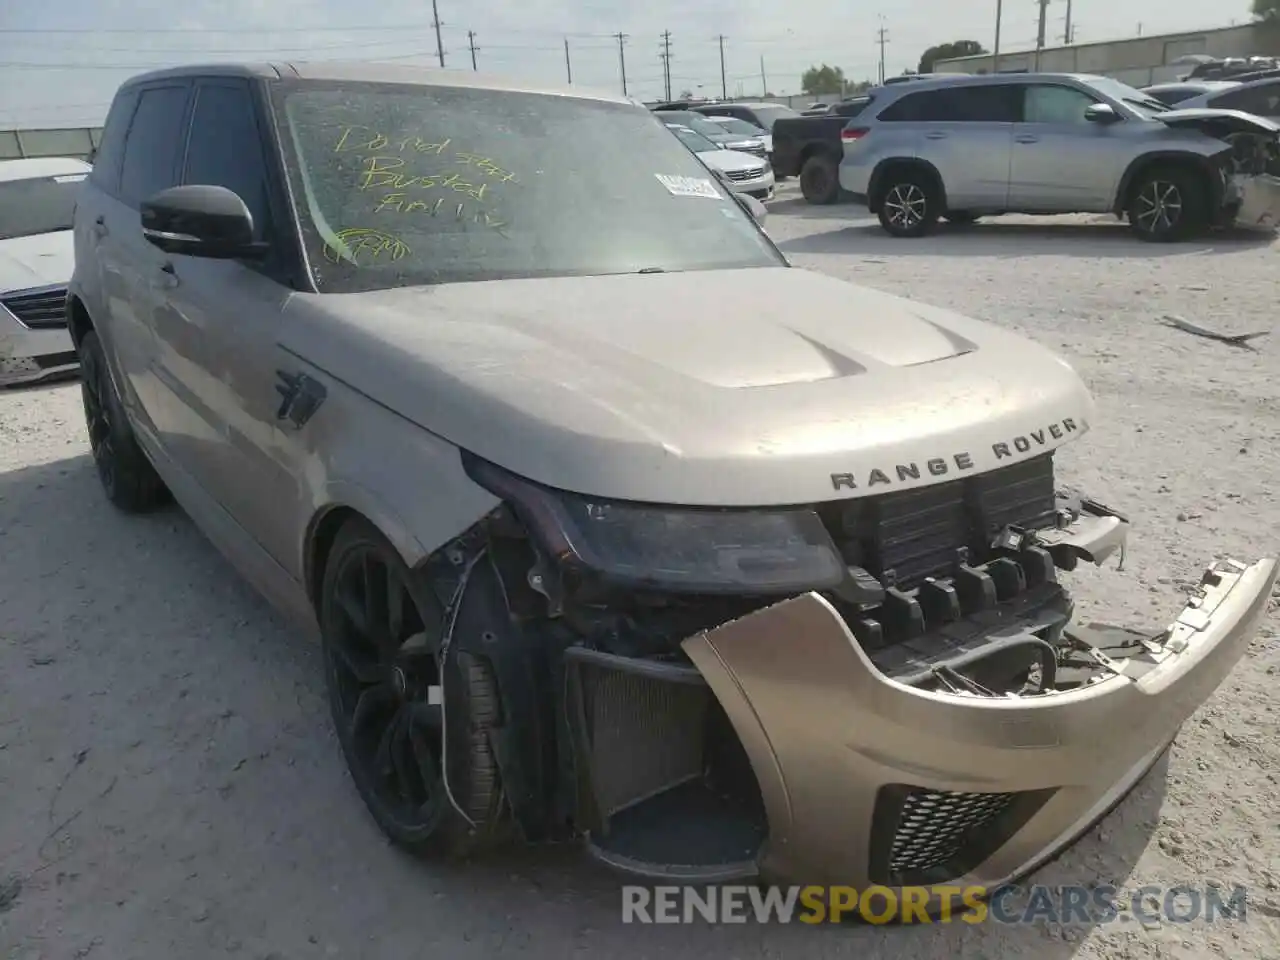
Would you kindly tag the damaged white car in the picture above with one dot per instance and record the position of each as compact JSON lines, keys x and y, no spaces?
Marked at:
{"x":614,"y":526}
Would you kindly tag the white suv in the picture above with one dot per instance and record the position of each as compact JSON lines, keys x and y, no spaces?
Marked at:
{"x":37,"y":199}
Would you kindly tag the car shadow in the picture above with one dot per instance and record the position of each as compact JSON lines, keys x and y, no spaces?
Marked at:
{"x":997,"y":239}
{"x":801,"y":209}
{"x":208,"y":783}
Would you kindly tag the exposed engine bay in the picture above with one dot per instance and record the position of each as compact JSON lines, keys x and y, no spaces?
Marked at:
{"x":650,"y":743}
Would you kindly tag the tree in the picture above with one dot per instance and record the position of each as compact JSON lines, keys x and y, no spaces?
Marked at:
{"x":1268,"y":10}
{"x":824,"y":79}
{"x":686,"y":94}
{"x":960,"y":48}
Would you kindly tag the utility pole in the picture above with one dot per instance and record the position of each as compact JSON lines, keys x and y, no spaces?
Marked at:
{"x":622,"y":59}
{"x":435,"y":22}
{"x":471,"y":42}
{"x":1044,"y":12}
{"x":568,"y":67}
{"x":764,"y":84}
{"x":1066,"y":30}
{"x":995,"y":49}
{"x":724,"y":84}
{"x":665,"y":57}
{"x":882,"y":36}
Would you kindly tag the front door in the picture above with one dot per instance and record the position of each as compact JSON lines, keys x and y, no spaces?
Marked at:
{"x":1062,"y":162}
{"x":216,"y":326}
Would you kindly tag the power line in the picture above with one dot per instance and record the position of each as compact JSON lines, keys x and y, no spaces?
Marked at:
{"x":882,"y":38}
{"x":471,"y":42}
{"x":568,"y":67}
{"x":435,"y":22}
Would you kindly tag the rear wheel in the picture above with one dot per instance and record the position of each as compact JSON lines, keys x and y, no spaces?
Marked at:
{"x":908,"y":204}
{"x":820,"y":180}
{"x":1167,"y":204}
{"x":389,"y":683}
{"x":126,"y":475}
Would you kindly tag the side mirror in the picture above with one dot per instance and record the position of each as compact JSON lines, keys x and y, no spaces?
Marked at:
{"x":1101,"y":113}
{"x":200,"y":221}
{"x":753,"y":206}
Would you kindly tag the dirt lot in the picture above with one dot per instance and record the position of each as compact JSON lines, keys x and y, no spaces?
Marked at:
{"x":169,"y":786}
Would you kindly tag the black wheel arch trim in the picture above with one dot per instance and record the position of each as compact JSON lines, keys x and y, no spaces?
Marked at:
{"x":881,"y":169}
{"x":1206,"y":165}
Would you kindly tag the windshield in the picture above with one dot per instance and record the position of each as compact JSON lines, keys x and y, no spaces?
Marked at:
{"x":1130,"y":96}
{"x":741,"y":127}
{"x":37,"y":205}
{"x":400,"y":185}
{"x":696,"y":122}
{"x":694,"y":141}
{"x":770,"y":114}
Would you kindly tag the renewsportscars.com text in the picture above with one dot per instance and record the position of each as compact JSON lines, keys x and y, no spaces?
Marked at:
{"x":1089,"y":905}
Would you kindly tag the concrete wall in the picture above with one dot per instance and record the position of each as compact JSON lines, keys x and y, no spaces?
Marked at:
{"x":1138,"y":61}
{"x":69,"y":142}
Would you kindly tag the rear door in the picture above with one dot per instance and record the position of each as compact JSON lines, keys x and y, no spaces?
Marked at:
{"x":966,"y":132}
{"x":217,"y":327}
{"x":1063,"y":163}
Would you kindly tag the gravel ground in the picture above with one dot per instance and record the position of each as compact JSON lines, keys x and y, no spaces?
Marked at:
{"x":169,"y":786}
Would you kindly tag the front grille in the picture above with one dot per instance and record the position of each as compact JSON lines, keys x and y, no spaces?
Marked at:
{"x":924,"y":836}
{"x":42,"y":309}
{"x":903,"y":538}
{"x":741,"y":175}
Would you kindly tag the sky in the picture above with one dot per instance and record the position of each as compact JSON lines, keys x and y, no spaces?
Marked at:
{"x":61,"y":60}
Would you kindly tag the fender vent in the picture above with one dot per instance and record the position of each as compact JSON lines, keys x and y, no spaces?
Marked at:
{"x":925,"y":837}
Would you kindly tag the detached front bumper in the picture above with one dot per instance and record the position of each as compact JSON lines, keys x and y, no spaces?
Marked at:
{"x":867,"y":781}
{"x":858,"y":779}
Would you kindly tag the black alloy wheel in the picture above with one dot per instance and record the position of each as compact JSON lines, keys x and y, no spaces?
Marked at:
{"x":382,"y":634}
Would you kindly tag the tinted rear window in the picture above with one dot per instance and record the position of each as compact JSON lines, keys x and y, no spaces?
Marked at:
{"x":989,"y":103}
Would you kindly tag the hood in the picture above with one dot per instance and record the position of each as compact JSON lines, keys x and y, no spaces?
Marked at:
{"x":725,"y":388}
{"x":730,"y":161}
{"x":37,"y":261}
{"x":1213,"y":121}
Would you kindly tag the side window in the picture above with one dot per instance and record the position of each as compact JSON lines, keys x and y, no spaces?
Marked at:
{"x":1263,"y":100}
{"x":106,"y":159}
{"x":1049,"y":103}
{"x":987,"y":103}
{"x":153,"y":144}
{"x":225,"y":148}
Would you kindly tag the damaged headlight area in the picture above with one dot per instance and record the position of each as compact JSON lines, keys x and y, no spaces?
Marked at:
{"x":679,"y":550}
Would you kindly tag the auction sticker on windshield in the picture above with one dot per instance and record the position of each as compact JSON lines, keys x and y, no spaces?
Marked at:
{"x":688,"y":186}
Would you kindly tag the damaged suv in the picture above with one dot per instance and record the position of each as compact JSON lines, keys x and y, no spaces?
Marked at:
{"x":501,"y":392}
{"x":1042,"y":143}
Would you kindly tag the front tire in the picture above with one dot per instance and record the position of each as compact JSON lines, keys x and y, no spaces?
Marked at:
{"x":389,"y":685}
{"x":1167,"y":204}
{"x":909,"y":205}
{"x":820,"y":180}
{"x":127,"y":476}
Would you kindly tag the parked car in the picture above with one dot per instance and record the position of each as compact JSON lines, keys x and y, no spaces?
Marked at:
{"x":37,"y":196}
{"x":1261,"y":98}
{"x":810,"y":148}
{"x":714,"y":132}
{"x":744,"y":172}
{"x":1053,"y":143}
{"x":763,"y":115}
{"x":1175,"y":93}
{"x":743,"y":128}
{"x":613,"y":526}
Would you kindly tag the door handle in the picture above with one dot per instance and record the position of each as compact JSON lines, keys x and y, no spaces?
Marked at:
{"x":935,"y":135}
{"x":1027,"y":138}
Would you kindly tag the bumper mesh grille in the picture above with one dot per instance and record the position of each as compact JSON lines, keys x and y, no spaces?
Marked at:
{"x":39,"y":309}
{"x":922,"y":836}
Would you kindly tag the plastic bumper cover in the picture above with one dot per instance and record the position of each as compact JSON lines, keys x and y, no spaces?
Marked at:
{"x":867,"y":781}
